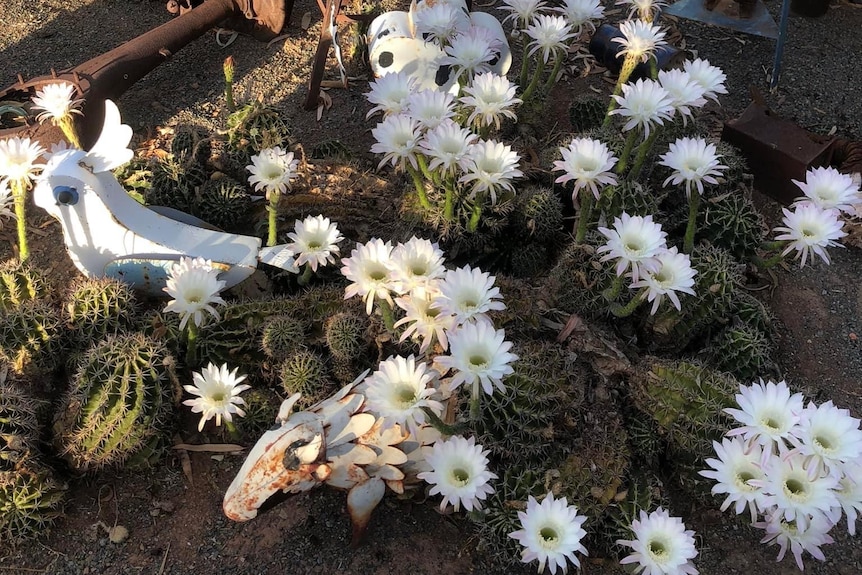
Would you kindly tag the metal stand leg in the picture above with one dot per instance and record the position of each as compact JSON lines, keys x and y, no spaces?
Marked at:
{"x":779,"y":48}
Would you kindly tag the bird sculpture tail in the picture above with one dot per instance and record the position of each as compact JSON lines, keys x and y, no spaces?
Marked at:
{"x":280,"y":257}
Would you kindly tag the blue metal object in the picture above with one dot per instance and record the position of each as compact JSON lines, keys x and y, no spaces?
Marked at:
{"x":779,"y":48}
{"x":760,"y":23}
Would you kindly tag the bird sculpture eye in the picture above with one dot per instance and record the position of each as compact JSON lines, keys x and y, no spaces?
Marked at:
{"x":66,"y":195}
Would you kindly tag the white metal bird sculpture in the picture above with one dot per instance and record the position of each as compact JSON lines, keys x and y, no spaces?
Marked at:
{"x":108,"y":233}
{"x":331,"y":443}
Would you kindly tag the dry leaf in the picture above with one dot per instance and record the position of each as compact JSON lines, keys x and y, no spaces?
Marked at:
{"x":306,"y":21}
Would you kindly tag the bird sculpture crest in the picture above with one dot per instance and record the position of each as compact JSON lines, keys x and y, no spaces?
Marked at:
{"x":108,"y":233}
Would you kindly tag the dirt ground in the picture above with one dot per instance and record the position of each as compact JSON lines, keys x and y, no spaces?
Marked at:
{"x":177,"y":528}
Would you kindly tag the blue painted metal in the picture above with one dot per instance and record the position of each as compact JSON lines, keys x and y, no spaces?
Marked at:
{"x":779,"y":48}
{"x":759,"y":24}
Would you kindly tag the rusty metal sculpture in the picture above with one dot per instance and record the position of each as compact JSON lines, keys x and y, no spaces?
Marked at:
{"x":109,"y":75}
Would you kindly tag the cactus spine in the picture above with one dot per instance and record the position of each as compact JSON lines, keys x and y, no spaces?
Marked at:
{"x":98,"y":307}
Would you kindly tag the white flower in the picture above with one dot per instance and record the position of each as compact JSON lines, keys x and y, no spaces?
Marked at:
{"x":423,"y":320}
{"x":416,"y":263}
{"x":389,"y":93}
{"x":368,"y":269}
{"x":480,"y":355}
{"x":808,"y":227}
{"x":195,"y":287}
{"x":635,"y":242}
{"x":710,"y":77}
{"x":551,"y":533}
{"x":828,"y":434}
{"x":788,"y":534}
{"x":397,"y":138}
{"x":646,"y":10}
{"x":673,"y":274}
{"x":56,"y":101}
{"x":272,"y":170}
{"x":6,"y":200}
{"x":491,"y":166}
{"x":491,"y":98}
{"x":768,"y":414}
{"x":733,"y":471}
{"x":459,"y":473}
{"x":218,"y":392}
{"x":827,"y":188}
{"x":439,"y":21}
{"x":662,"y":545}
{"x":849,"y":493}
{"x":398,"y":391}
{"x":471,"y":52}
{"x":693,"y":161}
{"x":550,"y":35}
{"x":640,"y":39}
{"x":589,"y":163}
{"x":447,"y":146}
{"x":684,"y":92}
{"x":581,"y":13}
{"x":430,"y":107}
{"x":315,"y":241}
{"x":468,"y":294}
{"x":644,"y":103}
{"x":18,"y":159}
{"x":521,"y":12}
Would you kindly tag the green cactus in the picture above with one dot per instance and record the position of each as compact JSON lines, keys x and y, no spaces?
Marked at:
{"x":737,"y":171}
{"x":19,"y":423}
{"x":332,"y":149}
{"x":20,"y":282}
{"x":742,"y":350}
{"x":223,"y":203}
{"x":305,"y":372}
{"x":731,"y":221}
{"x":281,"y":336}
{"x":192,"y":142}
{"x":686,"y":400}
{"x":539,"y":214}
{"x":576,"y":282}
{"x":119,"y":400}
{"x":255,"y":127}
{"x":98,"y":307}
{"x":32,"y":337}
{"x":611,"y":136}
{"x":532,"y":419}
{"x":529,"y":259}
{"x":631,"y":197}
{"x":170,"y":187}
{"x":524,"y":307}
{"x":587,"y":112}
{"x":136,"y":178}
{"x":749,"y":310}
{"x":261,"y":407}
{"x":31,"y":499}
{"x":346,"y":336}
{"x":643,"y":493}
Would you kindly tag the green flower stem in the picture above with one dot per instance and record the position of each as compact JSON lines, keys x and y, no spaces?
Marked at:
{"x":272,"y":210}
{"x":642,"y":152}
{"x":441,"y":426}
{"x":613,"y":292}
{"x":191,"y":343}
{"x":626,"y":310}
{"x":625,"y":72}
{"x":449,"y":202}
{"x":473,"y":224}
{"x":231,"y":428}
{"x":584,"y":214}
{"x":475,"y":402}
{"x":306,"y":275}
{"x":19,"y":194}
{"x":653,"y":68}
{"x":537,"y":75}
{"x":423,"y":166}
{"x":420,"y":187}
{"x":387,"y":315}
{"x":558,"y":63}
{"x":67,"y":125}
{"x":622,"y":164}
{"x":525,"y":59}
{"x":772,"y":246}
{"x":769,"y":263}
{"x":693,"y":205}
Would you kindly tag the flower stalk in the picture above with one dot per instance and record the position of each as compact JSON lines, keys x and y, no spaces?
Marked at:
{"x":19,"y":194}
{"x":629,"y":64}
{"x":191,"y":343}
{"x":272,"y":211}
{"x":228,"y":84}
{"x":641,"y":155}
{"x":558,"y":63}
{"x":537,"y":75}
{"x":693,"y":205}
{"x":475,"y":216}
{"x":628,"y":309}
{"x":622,"y":164}
{"x":584,"y":214}
{"x":306,"y":275}
{"x":420,"y":187}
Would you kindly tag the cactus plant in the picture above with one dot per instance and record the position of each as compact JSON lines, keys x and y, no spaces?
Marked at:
{"x":731,"y":221}
{"x":737,"y":170}
{"x":749,"y":310}
{"x":174,"y":182}
{"x":223,"y":203}
{"x":256,"y":126}
{"x":192,"y":142}
{"x":631,"y":197}
{"x":305,"y":372}
{"x":19,"y":423}
{"x":31,"y":499}
{"x":118,"y":401}
{"x":346,"y":336}
{"x":136,"y":178}
{"x":576,"y":282}
{"x":586,"y":112}
{"x":539,"y":214}
{"x":32,"y":337}
{"x":742,"y":350}
{"x":281,"y":336}
{"x":20,"y":282}
{"x":261,"y":407}
{"x":98,"y":307}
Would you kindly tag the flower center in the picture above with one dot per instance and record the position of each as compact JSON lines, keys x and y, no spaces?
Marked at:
{"x":478,"y":362}
{"x":217,"y":398}
{"x":807,"y":233}
{"x":549,"y":538}
{"x":742,"y":478}
{"x":460,"y":477}
{"x":658,"y":550}
{"x":314,"y":245}
{"x":405,"y":396}
{"x":825,"y":444}
{"x":771,"y":423}
{"x":795,"y":489}
{"x":418,"y":269}
{"x":273,"y":174}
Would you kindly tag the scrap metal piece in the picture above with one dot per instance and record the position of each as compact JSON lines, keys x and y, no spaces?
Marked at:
{"x":777,"y":150}
{"x":746,"y":16}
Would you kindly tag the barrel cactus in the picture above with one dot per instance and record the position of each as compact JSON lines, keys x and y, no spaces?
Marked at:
{"x":305,"y":372}
{"x":586,"y":112}
{"x":281,"y":336}
{"x":19,"y":423}
{"x":32,"y":337}
{"x":98,"y":307}
{"x":255,"y":127}
{"x":223,"y":203}
{"x":192,"y":142}
{"x":742,"y":350}
{"x":119,"y":400}
{"x":20,"y":282}
{"x":732,"y":222}
{"x":539,"y":214}
{"x":31,"y":499}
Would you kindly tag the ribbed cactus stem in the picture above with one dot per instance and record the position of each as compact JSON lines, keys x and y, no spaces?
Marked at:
{"x":19,"y":194}
{"x":228,"y":84}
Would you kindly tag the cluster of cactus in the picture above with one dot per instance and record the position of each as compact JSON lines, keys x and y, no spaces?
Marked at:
{"x":174,"y":183}
{"x":629,"y":196}
{"x":576,"y":282}
{"x":737,"y":170}
{"x":533,"y":419}
{"x":20,"y":282}
{"x":539,"y":214}
{"x":19,"y":423}
{"x":119,"y":400}
{"x":98,"y":307}
{"x":136,"y":178}
{"x":281,"y":336}
{"x":31,"y":499}
{"x":587,"y":112}
{"x":525,"y":304}
{"x":32,"y":337}
{"x":718,"y":277}
{"x":192,"y":142}
{"x":346,"y":335}
{"x":742,"y":350}
{"x":731,"y":221}
{"x":224,"y":203}
{"x":305,"y":372}
{"x":261,"y":407}
{"x":686,"y":401}
{"x":256,"y":126}
{"x":749,"y":310}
